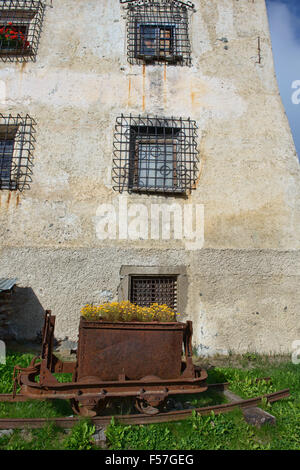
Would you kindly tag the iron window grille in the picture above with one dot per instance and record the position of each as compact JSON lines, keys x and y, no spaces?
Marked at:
{"x":146,"y":290}
{"x":157,"y":32}
{"x":153,"y":154}
{"x":20,"y":28}
{"x":16,"y":152}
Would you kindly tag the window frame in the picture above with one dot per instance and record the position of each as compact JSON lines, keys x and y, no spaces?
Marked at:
{"x":22,"y":14}
{"x":8,"y":136}
{"x":159,"y":14}
{"x":136,"y":167}
{"x":6,"y":162}
{"x":157,"y":300}
{"x":183,"y":132}
{"x":20,"y":130}
{"x":126,"y":272}
{"x":16,"y":50}
{"x":174,"y":54}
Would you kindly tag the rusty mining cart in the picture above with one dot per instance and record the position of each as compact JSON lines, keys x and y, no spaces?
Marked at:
{"x":116,"y":360}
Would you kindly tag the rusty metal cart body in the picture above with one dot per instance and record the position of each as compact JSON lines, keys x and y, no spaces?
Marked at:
{"x":115,"y":360}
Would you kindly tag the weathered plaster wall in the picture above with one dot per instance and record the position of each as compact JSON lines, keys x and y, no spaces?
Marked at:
{"x":239,"y":300}
{"x":249,"y":179}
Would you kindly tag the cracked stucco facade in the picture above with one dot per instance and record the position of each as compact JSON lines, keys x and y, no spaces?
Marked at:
{"x":243,"y":290}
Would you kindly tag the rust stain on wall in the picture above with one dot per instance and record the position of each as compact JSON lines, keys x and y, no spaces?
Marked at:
{"x":129,"y":92}
{"x":21,"y":66}
{"x":8,"y":200}
{"x":193,"y":96}
{"x":198,"y":90}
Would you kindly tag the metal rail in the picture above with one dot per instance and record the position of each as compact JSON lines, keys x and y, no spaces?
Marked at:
{"x":66,"y":423}
{"x":9,"y":398}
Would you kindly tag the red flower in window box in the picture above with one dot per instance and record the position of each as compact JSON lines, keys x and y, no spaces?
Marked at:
{"x":12,"y":40}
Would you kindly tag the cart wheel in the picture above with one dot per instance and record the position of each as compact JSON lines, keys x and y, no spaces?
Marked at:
{"x":143,"y":407}
{"x":88,"y":408}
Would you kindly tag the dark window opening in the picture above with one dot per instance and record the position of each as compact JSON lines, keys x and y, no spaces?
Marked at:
{"x":146,"y":290}
{"x":156,"y":42}
{"x":20,"y":27}
{"x":155,"y":155}
{"x":6,"y":157}
{"x":154,"y":158}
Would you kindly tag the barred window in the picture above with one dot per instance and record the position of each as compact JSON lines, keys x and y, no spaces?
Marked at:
{"x":157,"y":32}
{"x":16,"y":149}
{"x":155,"y":155}
{"x":156,"y":41}
{"x":146,"y":290}
{"x":20,"y":27}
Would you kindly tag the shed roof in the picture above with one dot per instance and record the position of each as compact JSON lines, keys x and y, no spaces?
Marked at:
{"x":7,"y":284}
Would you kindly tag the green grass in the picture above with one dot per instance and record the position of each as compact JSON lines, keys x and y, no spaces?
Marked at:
{"x":228,"y":431}
{"x":50,"y":437}
{"x":30,"y":409}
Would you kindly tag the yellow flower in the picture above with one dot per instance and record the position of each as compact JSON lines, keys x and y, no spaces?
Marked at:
{"x":126,"y":311}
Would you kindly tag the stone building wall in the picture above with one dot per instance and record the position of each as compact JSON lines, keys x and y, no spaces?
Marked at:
{"x":242,"y":284}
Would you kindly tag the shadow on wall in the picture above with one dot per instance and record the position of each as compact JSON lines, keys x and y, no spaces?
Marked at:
{"x":28,"y":318}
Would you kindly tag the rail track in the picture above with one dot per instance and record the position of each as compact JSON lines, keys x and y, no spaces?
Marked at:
{"x":168,"y":416}
{"x":96,"y":382}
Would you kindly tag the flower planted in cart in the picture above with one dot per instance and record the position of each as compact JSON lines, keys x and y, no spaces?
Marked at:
{"x":12,"y":38}
{"x":126,"y":311}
